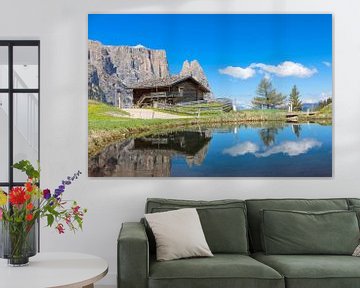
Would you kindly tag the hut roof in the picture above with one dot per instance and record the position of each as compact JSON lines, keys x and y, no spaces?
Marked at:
{"x":166,"y":82}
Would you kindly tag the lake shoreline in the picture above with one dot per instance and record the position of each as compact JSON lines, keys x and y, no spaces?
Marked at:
{"x":249,"y":149}
{"x":99,"y":139}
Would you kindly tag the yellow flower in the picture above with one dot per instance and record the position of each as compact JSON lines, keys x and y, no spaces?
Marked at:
{"x":3,"y":198}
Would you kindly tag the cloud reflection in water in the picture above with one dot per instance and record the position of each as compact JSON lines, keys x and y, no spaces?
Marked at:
{"x":291,"y":148}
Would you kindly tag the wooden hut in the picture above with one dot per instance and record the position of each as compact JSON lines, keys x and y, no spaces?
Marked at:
{"x":170,"y":90}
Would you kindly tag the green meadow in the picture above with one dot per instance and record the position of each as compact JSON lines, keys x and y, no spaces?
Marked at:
{"x":108,"y":124}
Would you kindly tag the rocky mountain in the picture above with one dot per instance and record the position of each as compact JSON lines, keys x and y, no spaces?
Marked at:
{"x":112,"y":69}
{"x":194,"y":69}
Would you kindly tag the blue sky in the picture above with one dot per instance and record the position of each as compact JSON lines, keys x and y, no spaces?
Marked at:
{"x":235,"y":51}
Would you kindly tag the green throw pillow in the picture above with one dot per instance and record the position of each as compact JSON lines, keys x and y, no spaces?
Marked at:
{"x":299,"y":232}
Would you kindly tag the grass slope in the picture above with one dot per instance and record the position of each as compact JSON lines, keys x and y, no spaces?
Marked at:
{"x":108,"y":124}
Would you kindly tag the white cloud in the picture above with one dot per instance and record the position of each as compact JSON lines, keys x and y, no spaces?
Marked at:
{"x":242,"y":149}
{"x":291,"y":148}
{"x":326,"y":63}
{"x":286,"y":69}
{"x":267,"y":76}
{"x":238,"y":72}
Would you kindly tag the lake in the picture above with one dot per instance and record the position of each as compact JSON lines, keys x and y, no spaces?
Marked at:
{"x":256,"y":150}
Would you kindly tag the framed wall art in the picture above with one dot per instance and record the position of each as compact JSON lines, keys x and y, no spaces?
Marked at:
{"x":210,"y":95}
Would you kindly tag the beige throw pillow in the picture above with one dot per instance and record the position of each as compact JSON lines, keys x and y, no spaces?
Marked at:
{"x":178,"y":234}
{"x":357,"y":251}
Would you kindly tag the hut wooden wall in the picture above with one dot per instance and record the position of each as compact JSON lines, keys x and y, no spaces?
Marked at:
{"x":191,"y":91}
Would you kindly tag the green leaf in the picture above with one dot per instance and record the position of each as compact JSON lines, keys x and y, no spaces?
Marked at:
{"x":51,"y":210}
{"x":26,"y":167}
{"x":50,"y":219}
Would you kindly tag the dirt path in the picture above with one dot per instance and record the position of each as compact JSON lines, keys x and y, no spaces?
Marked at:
{"x":150,"y":114}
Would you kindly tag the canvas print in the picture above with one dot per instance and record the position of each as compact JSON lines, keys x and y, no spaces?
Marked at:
{"x":210,"y":95}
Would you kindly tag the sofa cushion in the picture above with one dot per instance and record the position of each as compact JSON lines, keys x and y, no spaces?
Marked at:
{"x":222,"y":270}
{"x":353,"y":201}
{"x":178,"y":234}
{"x":297,"y":232}
{"x":255,"y":206}
{"x":356,"y":209}
{"x":223,"y":221}
{"x":314,"y":271}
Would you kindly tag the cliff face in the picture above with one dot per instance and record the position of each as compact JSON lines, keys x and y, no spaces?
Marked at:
{"x":111,"y":69}
{"x":194,"y":69}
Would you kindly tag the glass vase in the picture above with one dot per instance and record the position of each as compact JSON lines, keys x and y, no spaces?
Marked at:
{"x":18,"y":242}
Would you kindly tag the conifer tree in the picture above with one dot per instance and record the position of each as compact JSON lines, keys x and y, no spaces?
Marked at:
{"x":295,"y":99}
{"x":267,"y":97}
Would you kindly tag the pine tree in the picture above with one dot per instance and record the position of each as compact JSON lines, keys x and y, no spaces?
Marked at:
{"x":323,"y":103}
{"x":267,"y":96}
{"x":295,"y":99}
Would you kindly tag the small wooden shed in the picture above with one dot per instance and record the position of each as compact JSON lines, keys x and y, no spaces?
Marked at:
{"x":170,"y":90}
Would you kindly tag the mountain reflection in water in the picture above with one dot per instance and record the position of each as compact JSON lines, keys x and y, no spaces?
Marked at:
{"x":150,"y":155}
{"x":254,"y":150}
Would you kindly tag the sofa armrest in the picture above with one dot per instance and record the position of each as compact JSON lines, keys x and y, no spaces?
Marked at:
{"x":133,"y":256}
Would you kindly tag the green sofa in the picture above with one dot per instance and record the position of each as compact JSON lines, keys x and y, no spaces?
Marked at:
{"x":233,"y":231}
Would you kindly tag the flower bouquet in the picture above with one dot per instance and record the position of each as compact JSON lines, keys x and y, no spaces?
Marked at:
{"x":21,"y":208}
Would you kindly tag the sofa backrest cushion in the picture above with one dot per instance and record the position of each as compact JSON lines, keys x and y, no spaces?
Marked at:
{"x":297,"y":232}
{"x":353,"y":202}
{"x":354,"y":205}
{"x":255,"y":206}
{"x":223,"y":221}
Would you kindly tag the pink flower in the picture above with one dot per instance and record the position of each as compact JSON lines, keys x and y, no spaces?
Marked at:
{"x":1,"y":214}
{"x":76,"y":210}
{"x":68,"y":219}
{"x":60,"y":228}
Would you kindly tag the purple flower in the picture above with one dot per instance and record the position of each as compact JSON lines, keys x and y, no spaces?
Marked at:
{"x":46,"y":194}
{"x":58,"y":192}
{"x":64,"y":183}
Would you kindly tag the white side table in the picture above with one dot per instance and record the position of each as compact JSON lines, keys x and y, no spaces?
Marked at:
{"x":50,"y":270}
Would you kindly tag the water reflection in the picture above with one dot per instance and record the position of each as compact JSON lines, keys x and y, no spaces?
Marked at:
{"x":151,"y":155}
{"x":268,"y":135}
{"x":296,"y":128}
{"x":244,"y":150}
{"x":290,"y":148}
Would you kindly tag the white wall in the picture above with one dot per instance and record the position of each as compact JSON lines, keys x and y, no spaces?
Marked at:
{"x":61,"y":25}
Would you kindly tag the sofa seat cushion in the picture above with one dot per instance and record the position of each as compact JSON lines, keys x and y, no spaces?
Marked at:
{"x":222,"y":270}
{"x":313,"y":271}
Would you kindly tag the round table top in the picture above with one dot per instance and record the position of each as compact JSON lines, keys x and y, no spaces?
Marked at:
{"x":68,"y":270}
